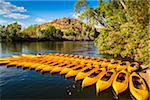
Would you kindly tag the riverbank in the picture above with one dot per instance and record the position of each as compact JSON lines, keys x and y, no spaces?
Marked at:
{"x":146,"y":76}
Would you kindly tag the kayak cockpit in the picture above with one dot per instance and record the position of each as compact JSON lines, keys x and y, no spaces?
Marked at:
{"x":88,"y":69}
{"x":134,"y":65}
{"x":115,"y":62}
{"x":94,"y":74}
{"x":123,"y":64}
{"x":121,"y":77}
{"x":107,"y":76}
{"x":137,"y":82}
{"x":78,"y":68}
{"x":71,"y":66}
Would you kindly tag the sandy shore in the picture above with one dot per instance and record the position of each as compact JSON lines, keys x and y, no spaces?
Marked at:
{"x":146,"y":76}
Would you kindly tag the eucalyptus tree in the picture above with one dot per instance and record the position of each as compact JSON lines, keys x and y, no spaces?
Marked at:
{"x":2,"y":32}
{"x":12,"y":31}
{"x":126,"y":30}
{"x":80,"y":5}
{"x":85,"y":14}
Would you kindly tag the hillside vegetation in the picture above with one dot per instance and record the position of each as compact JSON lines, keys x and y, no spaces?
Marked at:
{"x":59,"y":29}
{"x":73,"y":29}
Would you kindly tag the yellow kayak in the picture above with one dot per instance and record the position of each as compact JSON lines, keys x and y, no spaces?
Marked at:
{"x":105,"y":81}
{"x":120,"y":82}
{"x":93,"y":77}
{"x":44,"y":65}
{"x":46,"y":69}
{"x":27,"y":65}
{"x":123,"y":65}
{"x":33,"y":66}
{"x":69,"y":68}
{"x":133,"y":66}
{"x":58,"y":68}
{"x":53,"y":67}
{"x":106,"y":63}
{"x":40,"y":67}
{"x":113,"y":64}
{"x":81,"y":75}
{"x":21,"y":64}
{"x":12,"y":63}
{"x":4,"y":62}
{"x":74,"y":72}
{"x":138,"y":87}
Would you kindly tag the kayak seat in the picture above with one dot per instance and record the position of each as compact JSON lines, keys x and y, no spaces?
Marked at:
{"x":99,"y":60}
{"x":107,"y":76}
{"x":71,"y":66}
{"x":78,"y":68}
{"x":136,"y":82}
{"x":88,"y":69}
{"x":121,"y":77}
{"x":50,"y":63}
{"x":114,"y":63}
{"x":55,"y":64}
{"x":63,"y":65}
{"x":95,"y":74}
{"x":134,"y":65}
{"x":123,"y":64}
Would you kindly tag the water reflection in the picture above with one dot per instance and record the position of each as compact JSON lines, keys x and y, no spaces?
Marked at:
{"x":76,"y":47}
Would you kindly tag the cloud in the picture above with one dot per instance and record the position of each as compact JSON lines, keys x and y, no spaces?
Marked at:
{"x":3,"y":22}
{"x":12,"y":11}
{"x":16,"y":16}
{"x":40,"y":20}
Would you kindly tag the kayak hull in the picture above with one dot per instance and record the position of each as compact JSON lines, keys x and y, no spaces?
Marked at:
{"x":65,"y":71}
{"x":46,"y":69}
{"x":102,"y":85}
{"x":118,"y":86}
{"x":56,"y":70}
{"x":71,"y":73}
{"x":90,"y":81}
{"x":139,"y":94}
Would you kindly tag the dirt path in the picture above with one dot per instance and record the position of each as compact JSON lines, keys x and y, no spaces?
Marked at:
{"x":146,"y":76}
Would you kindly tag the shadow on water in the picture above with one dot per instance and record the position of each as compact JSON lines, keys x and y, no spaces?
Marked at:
{"x":16,"y":83}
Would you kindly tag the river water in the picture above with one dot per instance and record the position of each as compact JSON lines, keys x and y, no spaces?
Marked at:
{"x":18,"y":84}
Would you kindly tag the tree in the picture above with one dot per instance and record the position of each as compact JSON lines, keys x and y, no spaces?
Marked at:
{"x":80,"y":5}
{"x":2,"y":32}
{"x":126,"y":30}
{"x":85,"y":13}
{"x":52,"y":33}
{"x":12,"y":31}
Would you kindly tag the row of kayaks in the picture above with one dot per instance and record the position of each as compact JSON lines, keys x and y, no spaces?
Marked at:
{"x":76,"y":59}
{"x":102,"y":72}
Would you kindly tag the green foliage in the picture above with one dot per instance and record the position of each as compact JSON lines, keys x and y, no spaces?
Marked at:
{"x":85,"y":13}
{"x":126,"y":32}
{"x":30,"y":32}
{"x":10,"y":32}
{"x":2,"y":32}
{"x":60,"y":29}
{"x":69,"y":32}
{"x":80,"y":5}
{"x":52,"y":33}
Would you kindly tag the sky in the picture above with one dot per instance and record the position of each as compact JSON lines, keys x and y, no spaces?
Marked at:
{"x":27,"y":12}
